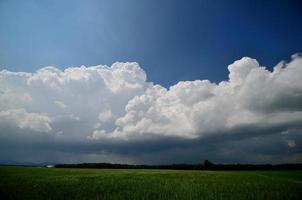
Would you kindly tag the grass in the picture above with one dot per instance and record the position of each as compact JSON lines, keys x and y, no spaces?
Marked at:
{"x":44,"y":183}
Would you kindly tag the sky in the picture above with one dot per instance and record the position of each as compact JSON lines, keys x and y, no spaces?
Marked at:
{"x":152,"y":82}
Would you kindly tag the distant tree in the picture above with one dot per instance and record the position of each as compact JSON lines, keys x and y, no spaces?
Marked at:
{"x":207,"y":164}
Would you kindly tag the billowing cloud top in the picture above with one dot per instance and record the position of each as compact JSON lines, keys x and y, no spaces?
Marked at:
{"x":104,"y":110}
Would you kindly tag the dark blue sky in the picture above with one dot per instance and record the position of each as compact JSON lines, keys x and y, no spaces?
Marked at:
{"x":172,"y":40}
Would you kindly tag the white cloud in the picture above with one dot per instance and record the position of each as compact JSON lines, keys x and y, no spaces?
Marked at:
{"x":105,"y":116}
{"x":19,"y":117}
{"x":291,"y":143}
{"x":117,"y":103}
{"x":191,"y":109}
{"x":60,"y":104}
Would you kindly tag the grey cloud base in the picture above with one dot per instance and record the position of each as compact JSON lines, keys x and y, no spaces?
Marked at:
{"x":112,"y":114}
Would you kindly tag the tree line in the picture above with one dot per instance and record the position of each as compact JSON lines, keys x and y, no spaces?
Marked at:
{"x":206,"y":165}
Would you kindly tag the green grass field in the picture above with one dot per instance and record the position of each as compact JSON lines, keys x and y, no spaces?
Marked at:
{"x":43,"y":183}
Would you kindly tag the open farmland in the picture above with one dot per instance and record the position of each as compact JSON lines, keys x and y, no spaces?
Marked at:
{"x":44,"y":183}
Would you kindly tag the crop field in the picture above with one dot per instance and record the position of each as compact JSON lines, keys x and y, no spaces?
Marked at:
{"x":52,"y":183}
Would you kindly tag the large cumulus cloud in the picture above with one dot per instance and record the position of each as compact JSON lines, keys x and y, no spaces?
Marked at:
{"x":115,"y":112}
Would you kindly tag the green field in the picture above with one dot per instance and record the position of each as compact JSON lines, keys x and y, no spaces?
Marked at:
{"x":43,"y":183}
